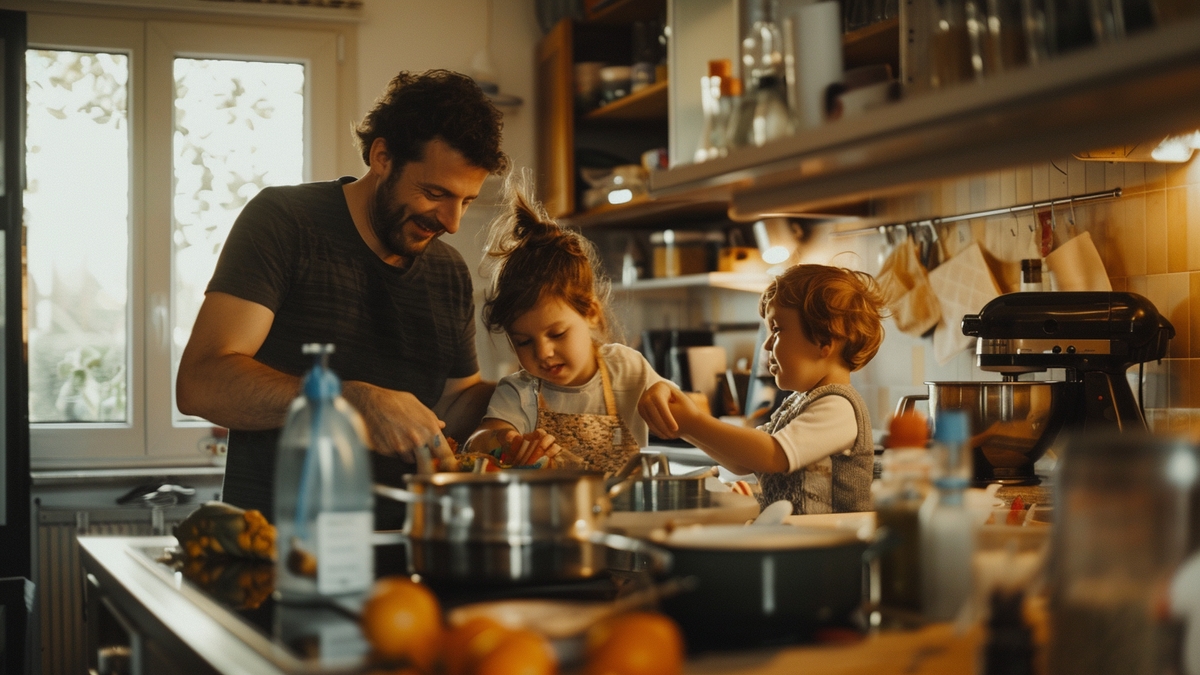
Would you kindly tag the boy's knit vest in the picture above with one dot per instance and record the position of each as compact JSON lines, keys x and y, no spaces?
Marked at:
{"x":839,"y":483}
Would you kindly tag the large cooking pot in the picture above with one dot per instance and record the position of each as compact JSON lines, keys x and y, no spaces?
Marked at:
{"x":765,"y":584}
{"x":1012,"y":423}
{"x":511,"y":526}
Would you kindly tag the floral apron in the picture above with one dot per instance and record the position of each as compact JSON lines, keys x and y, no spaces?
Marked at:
{"x":603,"y":442}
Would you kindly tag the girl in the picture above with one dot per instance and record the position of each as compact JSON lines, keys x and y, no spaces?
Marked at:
{"x":574,"y":399}
{"x":817,"y":450}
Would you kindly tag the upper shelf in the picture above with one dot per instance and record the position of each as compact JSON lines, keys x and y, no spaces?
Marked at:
{"x":645,"y":105}
{"x":1126,"y":92}
{"x":751,"y":282}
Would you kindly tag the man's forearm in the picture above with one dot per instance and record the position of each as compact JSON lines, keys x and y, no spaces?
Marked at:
{"x":463,"y":412}
{"x":237,"y":392}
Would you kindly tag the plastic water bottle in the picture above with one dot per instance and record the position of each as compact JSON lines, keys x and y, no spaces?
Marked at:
{"x":947,"y":533}
{"x":323,"y":501}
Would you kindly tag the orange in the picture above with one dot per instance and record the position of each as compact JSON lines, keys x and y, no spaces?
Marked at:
{"x":403,"y":621}
{"x":477,"y":634}
{"x":521,"y":652}
{"x":637,"y":643}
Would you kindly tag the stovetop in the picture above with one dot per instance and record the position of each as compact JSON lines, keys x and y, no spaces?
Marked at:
{"x":326,"y":636}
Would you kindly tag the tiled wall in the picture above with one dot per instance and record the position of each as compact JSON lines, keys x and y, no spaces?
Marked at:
{"x":1149,"y":240}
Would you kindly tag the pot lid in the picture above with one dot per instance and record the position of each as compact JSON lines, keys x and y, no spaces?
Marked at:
{"x":757,"y":537}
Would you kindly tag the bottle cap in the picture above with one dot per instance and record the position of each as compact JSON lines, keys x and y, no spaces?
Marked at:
{"x":952,"y":427}
{"x":722,"y":68}
{"x":908,"y":430}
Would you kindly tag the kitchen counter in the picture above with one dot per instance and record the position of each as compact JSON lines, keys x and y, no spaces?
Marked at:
{"x":170,"y":624}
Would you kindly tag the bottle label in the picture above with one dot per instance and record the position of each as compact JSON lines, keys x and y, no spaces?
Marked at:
{"x":345,"y":561}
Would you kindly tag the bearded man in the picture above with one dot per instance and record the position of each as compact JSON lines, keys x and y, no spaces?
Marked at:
{"x":357,"y":263}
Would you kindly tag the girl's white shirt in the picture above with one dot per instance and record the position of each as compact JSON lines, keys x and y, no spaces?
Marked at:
{"x":515,"y":400}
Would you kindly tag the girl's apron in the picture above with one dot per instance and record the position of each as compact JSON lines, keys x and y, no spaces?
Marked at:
{"x":603,"y":442}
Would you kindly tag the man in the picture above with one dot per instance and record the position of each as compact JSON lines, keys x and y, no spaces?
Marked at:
{"x":357,"y":263}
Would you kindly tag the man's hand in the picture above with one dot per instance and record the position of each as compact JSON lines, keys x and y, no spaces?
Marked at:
{"x":668,"y":412}
{"x":397,"y":423}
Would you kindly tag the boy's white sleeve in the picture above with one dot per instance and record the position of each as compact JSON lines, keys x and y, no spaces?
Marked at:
{"x":828,"y":426}
{"x":515,"y":402}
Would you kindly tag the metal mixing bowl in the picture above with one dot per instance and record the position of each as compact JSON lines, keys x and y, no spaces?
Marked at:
{"x":1012,"y":423}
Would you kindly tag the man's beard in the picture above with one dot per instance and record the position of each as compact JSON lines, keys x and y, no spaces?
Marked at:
{"x":388,"y":218}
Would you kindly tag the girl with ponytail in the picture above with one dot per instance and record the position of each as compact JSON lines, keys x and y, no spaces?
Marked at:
{"x":574,"y":400}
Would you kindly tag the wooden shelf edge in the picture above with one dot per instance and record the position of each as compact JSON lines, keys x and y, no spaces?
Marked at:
{"x":652,"y":98}
{"x":645,"y":211}
{"x":871,"y":32}
{"x":750,"y":282}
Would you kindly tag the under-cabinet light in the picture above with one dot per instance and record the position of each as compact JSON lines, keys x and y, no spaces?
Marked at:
{"x":620,"y":196}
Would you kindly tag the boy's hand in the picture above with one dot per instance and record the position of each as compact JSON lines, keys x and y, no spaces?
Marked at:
{"x":667,"y":410}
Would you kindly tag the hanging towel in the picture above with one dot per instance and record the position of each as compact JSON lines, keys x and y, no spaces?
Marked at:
{"x":906,"y":290}
{"x":963,"y":285}
{"x":1077,"y":266}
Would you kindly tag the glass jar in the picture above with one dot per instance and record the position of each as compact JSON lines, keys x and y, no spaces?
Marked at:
{"x":1123,"y":522}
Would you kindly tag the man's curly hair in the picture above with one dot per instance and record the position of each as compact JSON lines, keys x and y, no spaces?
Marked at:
{"x":418,"y":107}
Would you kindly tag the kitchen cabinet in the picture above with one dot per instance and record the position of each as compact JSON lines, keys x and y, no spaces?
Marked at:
{"x":618,"y":132}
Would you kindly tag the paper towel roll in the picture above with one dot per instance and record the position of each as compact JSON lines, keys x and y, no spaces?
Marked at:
{"x":1077,"y":266}
{"x":812,"y":35}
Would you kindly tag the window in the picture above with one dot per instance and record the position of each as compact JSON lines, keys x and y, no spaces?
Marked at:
{"x":144,"y":140}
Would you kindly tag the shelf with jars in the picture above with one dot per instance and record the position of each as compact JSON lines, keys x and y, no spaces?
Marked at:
{"x":1119,"y":91}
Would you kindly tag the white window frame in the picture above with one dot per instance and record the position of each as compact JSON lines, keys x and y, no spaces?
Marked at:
{"x":150,"y":436}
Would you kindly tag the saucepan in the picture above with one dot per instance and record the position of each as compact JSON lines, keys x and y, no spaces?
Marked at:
{"x":766,"y":584}
{"x":510,"y":526}
{"x":645,"y":483}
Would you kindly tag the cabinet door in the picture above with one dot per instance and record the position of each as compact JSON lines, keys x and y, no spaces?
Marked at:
{"x":556,"y":121}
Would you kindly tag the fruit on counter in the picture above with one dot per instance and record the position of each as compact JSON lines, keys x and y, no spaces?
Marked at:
{"x":520,"y":652}
{"x":636,"y":643}
{"x":402,"y":620}
{"x":220,"y":529}
{"x":483,"y":646}
{"x":478,"y":635}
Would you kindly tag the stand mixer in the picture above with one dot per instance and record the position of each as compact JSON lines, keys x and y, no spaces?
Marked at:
{"x":1094,"y":336}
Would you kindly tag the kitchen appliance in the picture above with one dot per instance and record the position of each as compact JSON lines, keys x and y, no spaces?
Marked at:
{"x":1093,"y":336}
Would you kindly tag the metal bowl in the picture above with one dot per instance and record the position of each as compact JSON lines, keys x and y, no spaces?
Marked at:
{"x":1012,"y":423}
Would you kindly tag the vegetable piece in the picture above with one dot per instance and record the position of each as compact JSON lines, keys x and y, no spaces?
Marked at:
{"x":220,"y":529}
{"x":1016,"y":513}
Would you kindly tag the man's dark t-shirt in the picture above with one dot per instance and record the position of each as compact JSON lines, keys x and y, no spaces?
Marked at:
{"x":295,"y":250}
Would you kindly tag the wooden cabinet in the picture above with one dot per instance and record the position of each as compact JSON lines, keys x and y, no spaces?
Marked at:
{"x":616,"y":133}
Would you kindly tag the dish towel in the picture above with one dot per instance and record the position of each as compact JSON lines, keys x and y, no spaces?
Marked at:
{"x":1077,"y":266}
{"x":963,"y":285}
{"x":906,"y":290}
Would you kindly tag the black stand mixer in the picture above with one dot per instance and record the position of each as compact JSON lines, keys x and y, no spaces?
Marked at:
{"x":1094,"y":336}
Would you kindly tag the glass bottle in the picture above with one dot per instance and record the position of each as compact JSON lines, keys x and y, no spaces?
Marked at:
{"x":324,"y":512}
{"x":716,"y":102}
{"x":902,"y":488}
{"x":772,"y":119}
{"x":947,"y":533}
{"x":949,"y":44}
{"x":762,"y":47}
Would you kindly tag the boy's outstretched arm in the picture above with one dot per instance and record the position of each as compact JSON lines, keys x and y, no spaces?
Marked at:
{"x":742,"y":450}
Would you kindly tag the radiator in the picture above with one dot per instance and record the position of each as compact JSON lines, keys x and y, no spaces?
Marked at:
{"x":59,"y":576}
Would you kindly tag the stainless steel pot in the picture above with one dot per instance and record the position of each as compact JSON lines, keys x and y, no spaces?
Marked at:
{"x":518,"y":526}
{"x":504,"y":507}
{"x":1012,"y":423}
